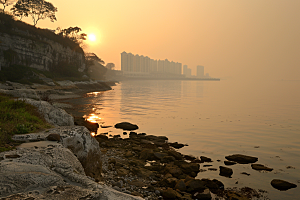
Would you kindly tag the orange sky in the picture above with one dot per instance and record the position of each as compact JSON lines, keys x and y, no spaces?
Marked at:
{"x":230,"y":38}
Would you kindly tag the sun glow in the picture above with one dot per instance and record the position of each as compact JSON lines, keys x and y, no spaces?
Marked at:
{"x":92,"y":37}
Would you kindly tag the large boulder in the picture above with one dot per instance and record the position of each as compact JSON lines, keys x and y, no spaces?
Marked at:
{"x":126,"y":126}
{"x":76,"y":138}
{"x":48,"y":170}
{"x":242,"y":159}
{"x":52,"y":115}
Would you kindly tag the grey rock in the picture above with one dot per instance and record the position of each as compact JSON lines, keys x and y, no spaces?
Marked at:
{"x":52,"y":115}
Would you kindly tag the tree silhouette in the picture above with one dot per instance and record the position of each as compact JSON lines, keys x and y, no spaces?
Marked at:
{"x":6,"y":3}
{"x":37,"y":9}
{"x":73,"y":34}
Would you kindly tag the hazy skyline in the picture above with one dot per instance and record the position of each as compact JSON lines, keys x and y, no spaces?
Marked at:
{"x":231,"y":39}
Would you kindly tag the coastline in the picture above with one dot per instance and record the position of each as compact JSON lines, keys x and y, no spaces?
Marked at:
{"x":140,"y":164}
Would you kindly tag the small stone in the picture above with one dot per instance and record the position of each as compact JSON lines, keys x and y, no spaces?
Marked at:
{"x":260,"y":167}
{"x":180,"y":185}
{"x":126,"y":126}
{"x":205,"y":159}
{"x":225,"y":171}
{"x":205,"y":195}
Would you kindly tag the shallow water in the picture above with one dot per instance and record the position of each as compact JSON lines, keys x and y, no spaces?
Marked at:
{"x":216,"y":119}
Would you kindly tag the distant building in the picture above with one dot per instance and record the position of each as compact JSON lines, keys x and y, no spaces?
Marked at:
{"x":200,"y":71}
{"x":136,"y":64}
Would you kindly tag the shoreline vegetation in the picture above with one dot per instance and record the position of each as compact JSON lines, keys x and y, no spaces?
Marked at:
{"x":142,"y":165}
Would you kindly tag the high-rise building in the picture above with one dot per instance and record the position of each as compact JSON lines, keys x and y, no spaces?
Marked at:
{"x":200,"y":71}
{"x":135,"y":63}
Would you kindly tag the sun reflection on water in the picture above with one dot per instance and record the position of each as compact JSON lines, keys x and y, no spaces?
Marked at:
{"x":92,"y":118}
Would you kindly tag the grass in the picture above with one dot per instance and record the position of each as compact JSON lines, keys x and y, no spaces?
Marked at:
{"x":17,"y":117}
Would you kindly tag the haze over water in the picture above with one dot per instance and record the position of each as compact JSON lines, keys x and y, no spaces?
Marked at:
{"x":216,"y":119}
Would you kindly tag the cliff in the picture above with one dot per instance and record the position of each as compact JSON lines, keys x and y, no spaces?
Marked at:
{"x":23,"y":44}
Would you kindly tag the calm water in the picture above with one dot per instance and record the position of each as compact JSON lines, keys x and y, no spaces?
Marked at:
{"x":216,"y":119}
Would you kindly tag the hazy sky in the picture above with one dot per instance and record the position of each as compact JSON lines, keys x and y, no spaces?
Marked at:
{"x":230,"y":38}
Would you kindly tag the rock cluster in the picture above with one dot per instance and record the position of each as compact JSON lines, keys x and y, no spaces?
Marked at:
{"x":66,"y":167}
{"x":148,"y":166}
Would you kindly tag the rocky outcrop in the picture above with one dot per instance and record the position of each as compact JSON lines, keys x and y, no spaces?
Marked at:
{"x":37,"y":52}
{"x":79,"y":140}
{"x":48,"y":170}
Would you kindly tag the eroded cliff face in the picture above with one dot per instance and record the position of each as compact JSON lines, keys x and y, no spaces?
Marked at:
{"x":37,"y":52}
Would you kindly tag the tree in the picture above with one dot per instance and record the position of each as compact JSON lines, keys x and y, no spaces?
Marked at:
{"x":110,"y":66}
{"x":73,"y":34}
{"x":38,"y":9}
{"x":6,"y":3}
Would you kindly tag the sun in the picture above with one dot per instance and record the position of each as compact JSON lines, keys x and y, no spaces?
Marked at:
{"x":92,"y":37}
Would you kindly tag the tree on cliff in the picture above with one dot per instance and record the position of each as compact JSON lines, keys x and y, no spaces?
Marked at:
{"x":37,"y":9}
{"x":6,"y":3}
{"x":73,"y":34}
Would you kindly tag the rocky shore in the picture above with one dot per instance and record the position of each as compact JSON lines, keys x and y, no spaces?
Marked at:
{"x":66,"y":162}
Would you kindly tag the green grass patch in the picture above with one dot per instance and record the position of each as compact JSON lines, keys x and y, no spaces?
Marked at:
{"x":17,"y":117}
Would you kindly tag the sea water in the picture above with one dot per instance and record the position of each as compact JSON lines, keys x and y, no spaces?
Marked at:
{"x":215,"y":119}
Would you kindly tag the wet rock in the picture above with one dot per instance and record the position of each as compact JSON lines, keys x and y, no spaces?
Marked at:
{"x":101,"y":137}
{"x":205,"y":195}
{"x":133,"y":134}
{"x":242,"y":159}
{"x":225,"y":171}
{"x":159,"y":155}
{"x":190,"y":168}
{"x":205,"y":159}
{"x":189,"y":157}
{"x":180,"y":185}
{"x":173,"y":169}
{"x":175,"y":154}
{"x":80,"y":121}
{"x":260,"y":167}
{"x":167,"y":159}
{"x":232,"y":195}
{"x":213,"y":185}
{"x":170,"y":194}
{"x":169,"y":182}
{"x":195,"y":185}
{"x":126,"y":126}
{"x":176,"y":145}
{"x":226,"y":162}
{"x":53,"y":137}
{"x":147,"y":154}
{"x":282,"y":185}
